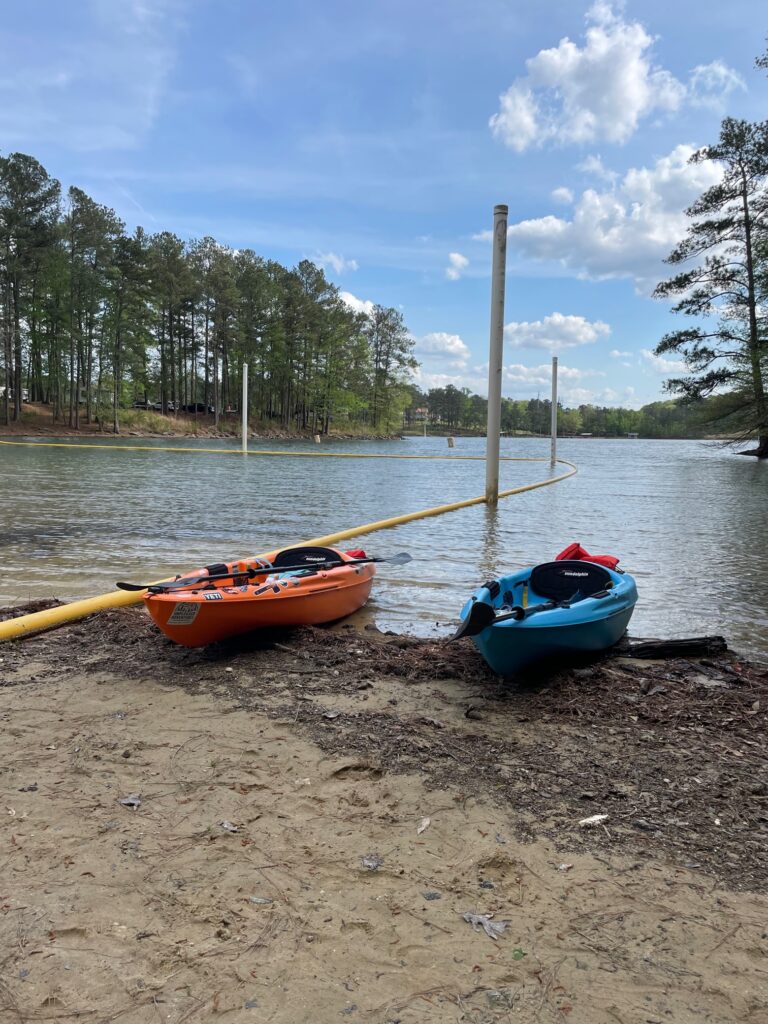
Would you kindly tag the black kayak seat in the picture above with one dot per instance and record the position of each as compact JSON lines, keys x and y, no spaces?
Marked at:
{"x":559,"y":581}
{"x":308,"y":556}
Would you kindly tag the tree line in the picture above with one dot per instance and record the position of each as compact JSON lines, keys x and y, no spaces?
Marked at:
{"x":95,"y":319}
{"x":457,"y":409}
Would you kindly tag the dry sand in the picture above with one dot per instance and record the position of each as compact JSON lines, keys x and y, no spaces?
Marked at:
{"x":326,"y":752}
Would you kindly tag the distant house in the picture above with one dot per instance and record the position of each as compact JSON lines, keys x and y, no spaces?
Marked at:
{"x":633,"y":435}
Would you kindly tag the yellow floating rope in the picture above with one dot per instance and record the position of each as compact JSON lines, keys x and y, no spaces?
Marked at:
{"x":265,"y":452}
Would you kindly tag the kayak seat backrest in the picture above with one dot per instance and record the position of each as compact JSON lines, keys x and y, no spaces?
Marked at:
{"x":308,"y":556}
{"x":559,"y":581}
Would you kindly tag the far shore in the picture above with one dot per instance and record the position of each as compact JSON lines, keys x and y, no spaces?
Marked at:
{"x":37,"y":421}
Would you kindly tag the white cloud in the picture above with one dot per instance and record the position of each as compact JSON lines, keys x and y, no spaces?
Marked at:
{"x":574,"y":397}
{"x":663,"y":366}
{"x":456,"y":265}
{"x":712,"y":84}
{"x":617,"y":354}
{"x":338,"y":264}
{"x":427,"y":380}
{"x":594,"y":166}
{"x":562,"y":195}
{"x":625,"y":231}
{"x":442,"y":347}
{"x":541,"y":375}
{"x":601,"y":90}
{"x":555,"y":332}
{"x":358,"y":305}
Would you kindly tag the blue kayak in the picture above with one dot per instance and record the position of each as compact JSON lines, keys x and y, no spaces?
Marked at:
{"x":548,"y":611}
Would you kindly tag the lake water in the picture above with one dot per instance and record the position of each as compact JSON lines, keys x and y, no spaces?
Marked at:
{"x":688,"y":519}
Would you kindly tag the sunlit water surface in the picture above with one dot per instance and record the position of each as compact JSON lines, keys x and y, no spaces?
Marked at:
{"x":688,"y":519}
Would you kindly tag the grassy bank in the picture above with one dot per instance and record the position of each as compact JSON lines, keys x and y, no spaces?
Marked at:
{"x":37,"y":420}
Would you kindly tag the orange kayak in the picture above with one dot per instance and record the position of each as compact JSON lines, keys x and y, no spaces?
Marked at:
{"x":233,"y":602}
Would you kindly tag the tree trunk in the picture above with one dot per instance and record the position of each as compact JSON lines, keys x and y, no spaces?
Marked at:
{"x":761,"y":409}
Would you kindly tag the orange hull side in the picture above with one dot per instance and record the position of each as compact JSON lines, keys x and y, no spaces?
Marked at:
{"x":196,"y":617}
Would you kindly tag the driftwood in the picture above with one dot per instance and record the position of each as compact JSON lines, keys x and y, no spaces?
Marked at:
{"x":695,"y":646}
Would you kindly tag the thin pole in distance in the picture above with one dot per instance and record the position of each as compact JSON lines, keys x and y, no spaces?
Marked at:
{"x":495,"y":353}
{"x":554,"y":410}
{"x":245,"y":408}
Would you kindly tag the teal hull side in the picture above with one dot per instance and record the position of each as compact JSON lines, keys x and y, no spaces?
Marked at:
{"x":509,"y":650}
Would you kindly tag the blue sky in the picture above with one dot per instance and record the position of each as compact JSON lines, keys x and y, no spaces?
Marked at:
{"x":376,"y":138}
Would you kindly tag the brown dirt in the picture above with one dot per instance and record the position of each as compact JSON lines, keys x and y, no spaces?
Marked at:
{"x":324,"y":746}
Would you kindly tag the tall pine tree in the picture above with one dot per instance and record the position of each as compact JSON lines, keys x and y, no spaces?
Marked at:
{"x":724,"y":246}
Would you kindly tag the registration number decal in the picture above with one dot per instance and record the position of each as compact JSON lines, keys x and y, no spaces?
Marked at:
{"x":184,"y":614}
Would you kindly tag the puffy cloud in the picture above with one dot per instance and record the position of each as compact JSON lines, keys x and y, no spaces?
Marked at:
{"x":663,"y":366}
{"x":338,"y":264}
{"x":624,"y":231}
{"x":601,"y":90}
{"x":358,"y":305}
{"x":562,"y":195}
{"x":426,"y":380}
{"x":555,"y":332}
{"x":457,"y":264}
{"x":541,"y":375}
{"x":712,"y":84}
{"x":593,"y":165}
{"x":574,"y":397}
{"x":440,"y":346}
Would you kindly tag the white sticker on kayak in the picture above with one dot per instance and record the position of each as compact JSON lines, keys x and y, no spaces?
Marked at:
{"x":184,"y":614}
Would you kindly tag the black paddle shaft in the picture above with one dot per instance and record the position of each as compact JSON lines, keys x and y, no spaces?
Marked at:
{"x":188,"y":581}
{"x":482,"y":615}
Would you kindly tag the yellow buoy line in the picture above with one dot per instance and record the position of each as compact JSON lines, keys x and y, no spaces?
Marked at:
{"x":35,"y":622}
{"x":266,"y":452}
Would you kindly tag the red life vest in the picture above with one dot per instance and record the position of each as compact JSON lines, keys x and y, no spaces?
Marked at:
{"x":576,"y":553}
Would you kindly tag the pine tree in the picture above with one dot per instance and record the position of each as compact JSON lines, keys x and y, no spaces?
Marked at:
{"x":725,"y":244}
{"x":29,"y":206}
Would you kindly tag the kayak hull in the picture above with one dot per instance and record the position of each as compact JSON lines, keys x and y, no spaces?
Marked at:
{"x":589,"y":625}
{"x":203,"y":614}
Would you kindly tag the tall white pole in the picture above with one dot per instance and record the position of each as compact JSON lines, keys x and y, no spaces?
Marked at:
{"x":495,"y":353}
{"x":554,"y":408}
{"x":245,"y":408}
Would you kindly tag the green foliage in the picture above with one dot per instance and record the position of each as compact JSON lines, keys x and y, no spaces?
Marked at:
{"x":96,"y":319}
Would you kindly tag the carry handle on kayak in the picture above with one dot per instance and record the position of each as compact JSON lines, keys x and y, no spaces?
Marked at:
{"x":482,"y":615}
{"x":188,"y":581}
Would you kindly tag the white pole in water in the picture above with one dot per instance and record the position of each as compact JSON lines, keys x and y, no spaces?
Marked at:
{"x":495,"y":353}
{"x":554,"y":409}
{"x":245,"y":408}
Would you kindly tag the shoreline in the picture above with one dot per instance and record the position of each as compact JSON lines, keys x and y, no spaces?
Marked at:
{"x":37,"y":422}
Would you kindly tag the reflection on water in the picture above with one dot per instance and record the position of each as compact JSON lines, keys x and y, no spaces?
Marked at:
{"x":688,"y":519}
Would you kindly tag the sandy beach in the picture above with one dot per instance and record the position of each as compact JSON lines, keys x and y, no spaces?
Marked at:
{"x":327,"y":825}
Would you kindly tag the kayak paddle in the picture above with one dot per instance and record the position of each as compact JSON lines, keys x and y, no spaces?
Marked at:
{"x":482,"y":615}
{"x":187,"y":581}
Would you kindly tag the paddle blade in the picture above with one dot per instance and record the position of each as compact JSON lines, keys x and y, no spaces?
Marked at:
{"x":399,"y":559}
{"x":481,"y":615}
